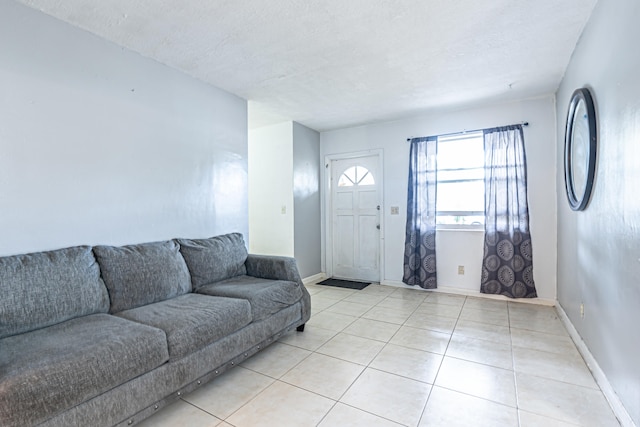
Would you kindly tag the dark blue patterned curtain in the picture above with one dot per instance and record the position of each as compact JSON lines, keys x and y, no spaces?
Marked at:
{"x":507,"y":267}
{"x":420,"y":239}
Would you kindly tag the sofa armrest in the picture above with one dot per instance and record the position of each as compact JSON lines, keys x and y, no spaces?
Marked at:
{"x":280,"y":268}
{"x":273,"y":267}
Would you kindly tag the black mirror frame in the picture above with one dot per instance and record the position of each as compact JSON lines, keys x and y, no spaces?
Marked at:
{"x":578,"y":202}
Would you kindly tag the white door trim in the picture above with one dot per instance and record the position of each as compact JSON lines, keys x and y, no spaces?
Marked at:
{"x":328,"y":208}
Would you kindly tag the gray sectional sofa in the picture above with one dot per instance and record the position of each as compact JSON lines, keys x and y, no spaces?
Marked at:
{"x":102,"y":336}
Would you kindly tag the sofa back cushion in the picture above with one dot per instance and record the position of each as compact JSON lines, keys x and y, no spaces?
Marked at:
{"x":45,"y":288}
{"x":214,"y":259}
{"x":138,"y":275}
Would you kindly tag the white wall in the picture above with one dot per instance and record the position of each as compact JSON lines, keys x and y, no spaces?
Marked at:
{"x":101,"y":145}
{"x":271,"y":232}
{"x":540,"y":140}
{"x":455,"y":248}
{"x":599,"y":248}
{"x":284,"y":172}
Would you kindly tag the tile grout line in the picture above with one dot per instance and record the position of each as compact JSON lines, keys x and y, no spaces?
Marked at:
{"x":459,"y":317}
{"x":513,"y":365}
{"x":367,"y":366}
{"x":435,"y":378}
{"x":201,"y":409}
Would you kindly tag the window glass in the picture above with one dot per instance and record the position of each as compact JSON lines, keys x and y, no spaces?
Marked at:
{"x":462,"y":196}
{"x":460,"y":181}
{"x":461,"y":152}
{"x":356,"y":175}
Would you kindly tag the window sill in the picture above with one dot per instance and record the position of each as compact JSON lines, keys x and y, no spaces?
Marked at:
{"x":459,"y":228}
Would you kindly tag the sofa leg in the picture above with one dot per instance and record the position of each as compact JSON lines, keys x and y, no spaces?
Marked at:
{"x":300,"y":328}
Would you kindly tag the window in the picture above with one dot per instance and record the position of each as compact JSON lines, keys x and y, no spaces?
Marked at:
{"x":460,"y":181}
{"x":356,"y":175}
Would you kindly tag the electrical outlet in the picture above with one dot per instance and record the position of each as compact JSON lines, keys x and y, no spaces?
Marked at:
{"x":395,"y":210}
{"x":461,"y":269}
{"x":283,"y":209}
{"x":582,"y":310}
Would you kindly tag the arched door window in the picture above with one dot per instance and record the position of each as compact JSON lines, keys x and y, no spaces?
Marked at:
{"x":356,"y":175}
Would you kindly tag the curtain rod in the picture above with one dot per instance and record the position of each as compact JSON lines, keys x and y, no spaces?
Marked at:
{"x":470,"y":131}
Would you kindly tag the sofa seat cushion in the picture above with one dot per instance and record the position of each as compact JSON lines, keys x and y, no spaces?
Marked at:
{"x":266,"y":296}
{"x":49,"y":370}
{"x":192,"y":321}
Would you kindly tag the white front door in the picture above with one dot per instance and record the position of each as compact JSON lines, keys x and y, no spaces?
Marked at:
{"x":355,"y":218}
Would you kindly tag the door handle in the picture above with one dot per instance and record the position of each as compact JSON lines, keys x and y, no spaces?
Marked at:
{"x":378,"y":226}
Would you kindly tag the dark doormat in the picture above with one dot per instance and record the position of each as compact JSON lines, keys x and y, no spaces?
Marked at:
{"x":338,"y":283}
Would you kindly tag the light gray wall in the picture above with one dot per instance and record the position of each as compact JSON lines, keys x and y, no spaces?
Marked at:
{"x":599,"y":248}
{"x":391,"y":137}
{"x":306,"y":199}
{"x":101,"y":145}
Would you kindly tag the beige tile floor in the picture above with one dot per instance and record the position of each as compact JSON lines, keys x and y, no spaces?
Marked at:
{"x":386,"y":356}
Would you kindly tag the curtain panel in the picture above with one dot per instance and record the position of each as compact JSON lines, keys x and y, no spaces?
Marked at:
{"x":507,"y":267}
{"x":420,"y":237}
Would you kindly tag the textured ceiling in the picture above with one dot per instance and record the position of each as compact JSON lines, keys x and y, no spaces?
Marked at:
{"x":335,"y":63}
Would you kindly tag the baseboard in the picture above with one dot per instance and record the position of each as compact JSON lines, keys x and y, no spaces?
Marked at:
{"x":478,"y":294}
{"x":397,"y":284}
{"x":609,"y":393}
{"x":314,"y":279}
{"x":470,"y":293}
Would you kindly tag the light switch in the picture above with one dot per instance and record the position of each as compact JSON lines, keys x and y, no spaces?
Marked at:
{"x":283,"y":209}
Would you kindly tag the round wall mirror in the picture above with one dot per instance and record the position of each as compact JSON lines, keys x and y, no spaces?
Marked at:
{"x":580,"y":149}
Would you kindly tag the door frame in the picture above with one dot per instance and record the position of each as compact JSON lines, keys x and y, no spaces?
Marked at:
{"x":328,"y":206}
